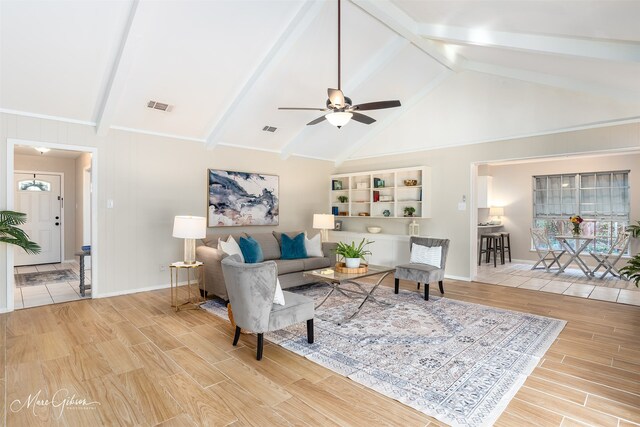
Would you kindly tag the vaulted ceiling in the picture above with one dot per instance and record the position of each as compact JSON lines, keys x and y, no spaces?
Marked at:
{"x":465,"y":71}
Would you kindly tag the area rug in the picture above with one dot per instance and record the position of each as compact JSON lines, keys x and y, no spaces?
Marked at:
{"x":41,"y":278}
{"x":458,"y":362}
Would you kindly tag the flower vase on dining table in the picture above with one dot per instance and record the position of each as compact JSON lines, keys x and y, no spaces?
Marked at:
{"x":576,"y":230}
{"x":576,"y":220}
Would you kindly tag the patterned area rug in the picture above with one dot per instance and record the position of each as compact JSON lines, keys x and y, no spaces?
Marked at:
{"x":458,"y":362}
{"x":41,"y":278}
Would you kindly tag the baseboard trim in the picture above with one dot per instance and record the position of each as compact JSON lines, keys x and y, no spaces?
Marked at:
{"x":5,"y":310}
{"x":461,"y":278}
{"x":137,"y":290}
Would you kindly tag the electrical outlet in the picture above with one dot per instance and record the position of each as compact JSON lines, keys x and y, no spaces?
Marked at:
{"x":163,"y":267}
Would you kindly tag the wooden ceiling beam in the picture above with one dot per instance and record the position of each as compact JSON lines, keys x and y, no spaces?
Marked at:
{"x":307,"y":13}
{"x":608,"y":50}
{"x":401,"y":23}
{"x":119,"y":73}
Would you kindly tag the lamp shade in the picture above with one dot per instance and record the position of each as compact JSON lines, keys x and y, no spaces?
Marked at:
{"x":323,"y":221}
{"x":496,"y":211}
{"x":339,"y":119}
{"x":190,"y":227}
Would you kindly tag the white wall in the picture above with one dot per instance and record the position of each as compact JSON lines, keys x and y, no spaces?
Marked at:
{"x":151,"y":179}
{"x":512,"y":188}
{"x":451,"y":179}
{"x":44,"y":163}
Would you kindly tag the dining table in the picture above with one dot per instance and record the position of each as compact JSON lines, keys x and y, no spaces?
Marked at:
{"x":580,"y":243}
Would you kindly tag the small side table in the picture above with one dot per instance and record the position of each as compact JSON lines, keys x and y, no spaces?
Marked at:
{"x":82,"y":285}
{"x":174,"y":268}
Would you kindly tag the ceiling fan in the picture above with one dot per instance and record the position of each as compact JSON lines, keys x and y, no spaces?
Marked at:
{"x":340,"y":107}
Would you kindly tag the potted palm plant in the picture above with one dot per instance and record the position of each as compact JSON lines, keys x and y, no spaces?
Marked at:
{"x":12,"y":235}
{"x":352,"y":254}
{"x":632,"y":269}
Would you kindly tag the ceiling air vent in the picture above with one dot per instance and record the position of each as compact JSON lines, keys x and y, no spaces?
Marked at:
{"x":269,"y":129}
{"x":159,"y":106}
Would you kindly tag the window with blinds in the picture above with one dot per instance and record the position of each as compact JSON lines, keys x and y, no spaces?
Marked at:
{"x":600,"y":198}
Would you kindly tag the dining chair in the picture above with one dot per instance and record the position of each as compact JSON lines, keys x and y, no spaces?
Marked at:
{"x":609,"y":259}
{"x":251,"y":289}
{"x":544,"y":250}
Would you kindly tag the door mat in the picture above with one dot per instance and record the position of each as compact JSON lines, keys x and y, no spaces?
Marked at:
{"x":45,"y":277}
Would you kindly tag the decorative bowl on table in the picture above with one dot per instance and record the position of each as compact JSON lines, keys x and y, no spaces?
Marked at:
{"x":410,"y":182}
{"x":374,"y":230}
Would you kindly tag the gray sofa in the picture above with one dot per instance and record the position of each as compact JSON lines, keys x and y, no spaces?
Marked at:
{"x":290,"y":271}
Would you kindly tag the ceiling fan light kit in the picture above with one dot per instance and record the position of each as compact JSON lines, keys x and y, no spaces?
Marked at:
{"x":339,"y":118}
{"x":340,"y":107}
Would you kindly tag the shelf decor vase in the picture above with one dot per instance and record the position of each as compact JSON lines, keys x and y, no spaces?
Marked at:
{"x":352,"y":262}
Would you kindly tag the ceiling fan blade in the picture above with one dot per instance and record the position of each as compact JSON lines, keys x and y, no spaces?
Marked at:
{"x":362,"y":118}
{"x":302,"y":108}
{"x":379,"y":105}
{"x":336,"y":97}
{"x":316,"y":121}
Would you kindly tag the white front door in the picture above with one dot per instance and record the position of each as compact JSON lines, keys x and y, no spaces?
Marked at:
{"x":39,"y":196}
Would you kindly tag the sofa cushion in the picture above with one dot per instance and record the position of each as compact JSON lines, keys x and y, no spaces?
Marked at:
{"x":269,"y":245}
{"x":251,"y":250}
{"x":293,"y":248}
{"x":278,"y":235}
{"x":230,"y":247}
{"x":316,"y":263}
{"x":212,"y":239}
{"x":289,"y":265}
{"x":313,"y":246}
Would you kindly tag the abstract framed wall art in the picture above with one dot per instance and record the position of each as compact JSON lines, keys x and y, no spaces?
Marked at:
{"x":242,"y":198}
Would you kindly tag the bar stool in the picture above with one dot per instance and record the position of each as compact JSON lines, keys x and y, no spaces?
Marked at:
{"x":491,"y":243}
{"x":506,"y":247}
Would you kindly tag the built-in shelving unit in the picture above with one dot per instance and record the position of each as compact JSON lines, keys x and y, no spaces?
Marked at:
{"x":372,"y":193}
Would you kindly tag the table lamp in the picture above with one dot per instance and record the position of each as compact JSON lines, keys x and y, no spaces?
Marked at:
{"x":190,"y":228}
{"x":323,"y":222}
{"x":497,"y":211}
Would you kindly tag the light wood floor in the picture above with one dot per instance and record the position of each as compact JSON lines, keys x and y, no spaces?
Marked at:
{"x":147,"y":365}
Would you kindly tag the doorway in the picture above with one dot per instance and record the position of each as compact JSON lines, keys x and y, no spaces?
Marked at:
{"x":56,"y":187}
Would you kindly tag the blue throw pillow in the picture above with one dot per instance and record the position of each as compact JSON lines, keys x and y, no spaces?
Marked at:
{"x":251,"y":250}
{"x":293,"y":248}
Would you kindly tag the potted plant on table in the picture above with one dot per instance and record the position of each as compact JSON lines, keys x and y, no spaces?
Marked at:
{"x":632,"y":269}
{"x":12,"y":235}
{"x":352,"y":254}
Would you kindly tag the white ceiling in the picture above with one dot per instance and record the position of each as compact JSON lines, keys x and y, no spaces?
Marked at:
{"x":465,"y":71}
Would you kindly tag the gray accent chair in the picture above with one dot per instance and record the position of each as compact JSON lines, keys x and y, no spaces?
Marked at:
{"x":424,"y":273}
{"x":251,"y":288}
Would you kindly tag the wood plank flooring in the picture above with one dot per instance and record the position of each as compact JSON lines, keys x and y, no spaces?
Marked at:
{"x":147,"y":365}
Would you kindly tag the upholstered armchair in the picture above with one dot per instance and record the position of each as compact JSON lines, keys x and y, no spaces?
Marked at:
{"x":421,"y":272}
{"x":251,"y":289}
